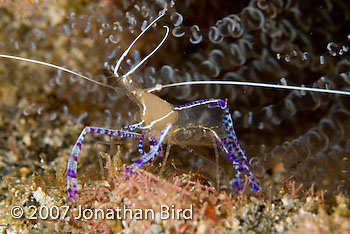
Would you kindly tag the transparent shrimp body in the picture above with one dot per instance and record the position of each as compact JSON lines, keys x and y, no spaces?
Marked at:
{"x":210,"y":118}
{"x":187,"y":123}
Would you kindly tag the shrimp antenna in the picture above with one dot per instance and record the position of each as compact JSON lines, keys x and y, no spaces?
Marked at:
{"x":56,"y":67}
{"x":132,"y":44}
{"x":158,"y":87}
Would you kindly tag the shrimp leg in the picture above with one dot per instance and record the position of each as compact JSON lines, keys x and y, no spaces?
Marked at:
{"x":228,"y":142}
{"x":154,"y":149}
{"x":236,"y":154}
{"x":73,"y":158}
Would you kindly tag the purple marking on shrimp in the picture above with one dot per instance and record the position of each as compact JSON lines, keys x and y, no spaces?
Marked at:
{"x":72,"y":191}
{"x":74,"y":157}
{"x":154,"y":149}
{"x":233,"y":147}
{"x":71,"y":173}
{"x":69,"y":193}
{"x":218,"y":103}
{"x":141,"y":144}
{"x":75,"y":190}
{"x":152,"y":141}
{"x":132,"y":127}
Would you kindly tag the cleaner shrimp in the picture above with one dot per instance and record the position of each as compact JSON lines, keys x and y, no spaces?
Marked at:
{"x":161,"y":122}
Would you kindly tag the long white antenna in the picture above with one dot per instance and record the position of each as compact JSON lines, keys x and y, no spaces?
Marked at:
{"x":131,"y":45}
{"x":254,"y":84}
{"x":56,"y":67}
{"x":150,"y":54}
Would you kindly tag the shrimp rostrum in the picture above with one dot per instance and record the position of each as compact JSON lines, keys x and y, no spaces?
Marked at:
{"x":161,"y":122}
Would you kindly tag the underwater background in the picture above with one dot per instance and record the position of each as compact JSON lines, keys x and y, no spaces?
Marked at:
{"x":301,"y":134}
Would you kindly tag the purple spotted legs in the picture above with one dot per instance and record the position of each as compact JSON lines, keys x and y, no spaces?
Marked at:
{"x":229,"y":143}
{"x":155,"y":147}
{"x":73,"y":158}
{"x":234,"y":151}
